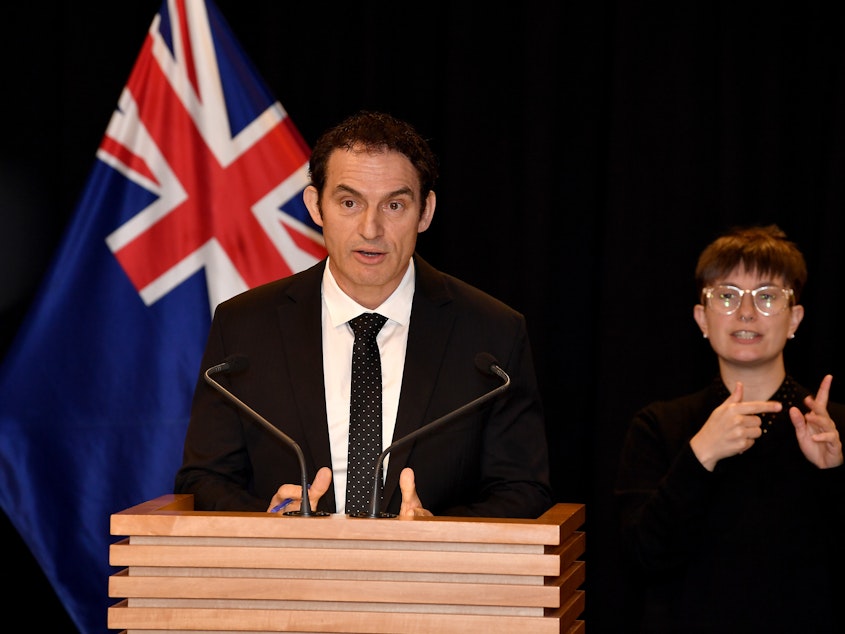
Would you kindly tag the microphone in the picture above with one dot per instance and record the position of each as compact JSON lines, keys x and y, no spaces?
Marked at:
{"x":487,"y":364}
{"x":236,"y":363}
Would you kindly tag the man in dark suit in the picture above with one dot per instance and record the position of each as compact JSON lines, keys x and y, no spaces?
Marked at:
{"x":371,"y":191}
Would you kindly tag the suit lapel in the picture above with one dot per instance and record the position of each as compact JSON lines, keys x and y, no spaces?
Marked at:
{"x":300,"y":322}
{"x":431,"y":325}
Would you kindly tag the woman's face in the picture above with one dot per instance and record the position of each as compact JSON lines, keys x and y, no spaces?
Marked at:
{"x":746,"y":336}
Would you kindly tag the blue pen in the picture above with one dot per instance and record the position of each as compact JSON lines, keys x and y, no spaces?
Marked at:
{"x":283,"y":503}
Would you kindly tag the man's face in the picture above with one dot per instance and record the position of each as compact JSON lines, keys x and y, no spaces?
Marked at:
{"x":371,"y":214}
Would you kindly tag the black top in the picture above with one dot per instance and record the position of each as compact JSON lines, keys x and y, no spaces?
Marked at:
{"x":754,"y":546}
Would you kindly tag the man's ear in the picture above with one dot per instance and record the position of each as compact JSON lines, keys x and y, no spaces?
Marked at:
{"x":311,"y":198}
{"x":427,"y":212}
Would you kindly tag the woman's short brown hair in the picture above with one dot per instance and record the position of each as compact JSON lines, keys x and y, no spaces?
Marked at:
{"x":762,"y":250}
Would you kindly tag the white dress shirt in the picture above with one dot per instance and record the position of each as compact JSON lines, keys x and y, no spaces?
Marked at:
{"x":338,"y":309}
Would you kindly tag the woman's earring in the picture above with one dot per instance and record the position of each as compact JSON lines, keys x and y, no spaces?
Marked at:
{"x":704,"y":334}
{"x":792,"y":336}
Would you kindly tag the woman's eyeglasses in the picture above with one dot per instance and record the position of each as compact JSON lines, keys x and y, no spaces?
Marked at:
{"x":768,"y":300}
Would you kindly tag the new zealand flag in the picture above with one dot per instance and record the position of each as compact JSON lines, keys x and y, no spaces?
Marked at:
{"x":195,"y":196}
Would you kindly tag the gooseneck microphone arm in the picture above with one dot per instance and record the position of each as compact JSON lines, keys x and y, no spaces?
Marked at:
{"x":236,"y":363}
{"x":486,"y":363}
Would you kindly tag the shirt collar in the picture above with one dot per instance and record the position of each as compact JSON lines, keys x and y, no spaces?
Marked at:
{"x":341,"y":308}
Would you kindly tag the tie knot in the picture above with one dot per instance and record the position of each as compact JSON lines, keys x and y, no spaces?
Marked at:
{"x":367,"y":325}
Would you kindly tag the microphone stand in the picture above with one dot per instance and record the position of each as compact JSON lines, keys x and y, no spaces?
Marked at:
{"x":484,"y":362}
{"x":239,"y":362}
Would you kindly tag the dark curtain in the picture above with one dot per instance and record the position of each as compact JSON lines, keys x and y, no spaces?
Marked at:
{"x":589,"y":151}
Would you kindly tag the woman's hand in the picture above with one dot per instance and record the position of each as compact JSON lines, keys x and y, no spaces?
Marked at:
{"x":816,"y":432}
{"x":731,"y":429}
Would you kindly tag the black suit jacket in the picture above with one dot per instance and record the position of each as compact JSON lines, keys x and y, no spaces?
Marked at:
{"x":491,"y":462}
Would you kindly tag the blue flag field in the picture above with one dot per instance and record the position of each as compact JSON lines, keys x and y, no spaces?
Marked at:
{"x":194,"y":196}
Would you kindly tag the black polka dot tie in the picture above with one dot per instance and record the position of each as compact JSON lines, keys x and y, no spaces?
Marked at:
{"x":364,"y":412}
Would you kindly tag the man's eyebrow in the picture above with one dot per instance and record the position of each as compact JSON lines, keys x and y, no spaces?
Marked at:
{"x":346,"y":188}
{"x":402,"y":191}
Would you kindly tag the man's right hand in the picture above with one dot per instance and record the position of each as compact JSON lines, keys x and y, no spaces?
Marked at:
{"x":322,"y":482}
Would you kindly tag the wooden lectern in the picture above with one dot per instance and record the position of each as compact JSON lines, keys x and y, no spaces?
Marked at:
{"x":189,"y":571}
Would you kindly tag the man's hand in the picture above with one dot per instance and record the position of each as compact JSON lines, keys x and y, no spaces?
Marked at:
{"x":411,"y":504}
{"x":293,"y":492}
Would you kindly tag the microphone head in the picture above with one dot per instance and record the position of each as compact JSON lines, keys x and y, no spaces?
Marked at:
{"x":236,"y":363}
{"x":485,"y":362}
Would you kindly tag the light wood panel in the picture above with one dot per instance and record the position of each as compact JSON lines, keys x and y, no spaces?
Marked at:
{"x":186,"y":570}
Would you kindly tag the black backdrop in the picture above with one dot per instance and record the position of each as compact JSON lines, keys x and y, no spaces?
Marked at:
{"x":589,"y":151}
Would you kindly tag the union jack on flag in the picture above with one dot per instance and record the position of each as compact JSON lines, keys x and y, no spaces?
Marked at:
{"x":223,"y":160}
{"x":195,"y":196}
